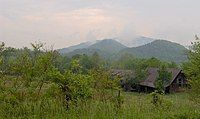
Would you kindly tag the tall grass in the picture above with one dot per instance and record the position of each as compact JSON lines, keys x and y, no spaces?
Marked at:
{"x":135,"y":106}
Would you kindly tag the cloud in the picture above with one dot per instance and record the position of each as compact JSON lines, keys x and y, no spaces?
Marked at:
{"x":62,"y":28}
{"x":85,"y":16}
{"x":3,"y":20}
{"x":67,"y":22}
{"x":32,"y":18}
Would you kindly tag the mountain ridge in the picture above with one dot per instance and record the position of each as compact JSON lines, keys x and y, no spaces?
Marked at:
{"x":112,"y":49}
{"x":161,"y":49}
{"x":74,"y":47}
{"x":137,"y":42}
{"x":105,"y":48}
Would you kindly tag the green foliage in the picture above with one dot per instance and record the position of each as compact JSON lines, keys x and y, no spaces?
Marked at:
{"x":160,"y":102}
{"x":134,"y":106}
{"x":127,"y":61}
{"x":192,"y":71}
{"x":73,"y":85}
{"x":132,"y":80}
{"x":156,"y":99}
{"x":103,"y":84}
{"x":75,"y":67}
{"x":163,"y":79}
{"x":2,"y":47}
{"x":40,"y":83}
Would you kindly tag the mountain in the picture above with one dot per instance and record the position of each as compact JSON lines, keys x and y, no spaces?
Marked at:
{"x":108,"y":45}
{"x":109,"y":48}
{"x":161,"y":49}
{"x":106,"y":48}
{"x":104,"y":45}
{"x":75,"y":47}
{"x":89,"y":52}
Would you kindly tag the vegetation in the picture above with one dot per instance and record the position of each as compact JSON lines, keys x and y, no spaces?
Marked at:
{"x":163,"y":79}
{"x":192,"y":70}
{"x":41,"y":83}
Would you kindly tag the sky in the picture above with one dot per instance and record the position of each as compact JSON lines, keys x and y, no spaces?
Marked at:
{"x":62,"y":23}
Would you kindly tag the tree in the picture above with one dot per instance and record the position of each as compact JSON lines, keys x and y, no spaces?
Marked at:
{"x":2,"y":48}
{"x":126,"y":61}
{"x":163,"y":78}
{"x":96,"y":60}
{"x":103,"y":84}
{"x":153,"y":62}
{"x":192,"y":70}
{"x":132,"y":79}
{"x":37,"y":47}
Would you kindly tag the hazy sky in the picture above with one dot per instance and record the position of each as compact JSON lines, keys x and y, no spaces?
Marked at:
{"x":66,"y":22}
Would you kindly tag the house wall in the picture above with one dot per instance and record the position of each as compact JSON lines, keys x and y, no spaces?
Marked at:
{"x":146,"y":89}
{"x":178,"y":83}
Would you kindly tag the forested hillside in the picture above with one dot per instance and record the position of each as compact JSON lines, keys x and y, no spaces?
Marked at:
{"x":161,"y":49}
{"x":111,"y":49}
{"x":75,"y":47}
{"x":108,"y":45}
{"x":106,"y":48}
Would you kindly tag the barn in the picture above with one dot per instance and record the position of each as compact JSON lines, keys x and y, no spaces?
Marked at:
{"x":176,"y":83}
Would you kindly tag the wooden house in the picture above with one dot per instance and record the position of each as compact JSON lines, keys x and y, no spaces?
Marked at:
{"x":175,"y":84}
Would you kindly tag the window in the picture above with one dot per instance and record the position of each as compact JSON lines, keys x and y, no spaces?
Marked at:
{"x":180,"y":81}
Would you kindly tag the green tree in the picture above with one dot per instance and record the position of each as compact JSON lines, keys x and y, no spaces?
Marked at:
{"x":126,"y":61}
{"x":2,"y":48}
{"x":73,"y":84}
{"x":163,"y":78}
{"x":97,"y":61}
{"x":132,"y":79}
{"x":87,"y":63}
{"x":153,"y":62}
{"x":103,"y":84}
{"x":192,"y":70}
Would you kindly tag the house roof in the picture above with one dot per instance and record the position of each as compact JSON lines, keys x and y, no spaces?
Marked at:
{"x":153,"y":74}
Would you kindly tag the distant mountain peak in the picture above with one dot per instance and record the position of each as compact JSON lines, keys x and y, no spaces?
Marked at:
{"x":161,"y":49}
{"x":109,"y":46}
{"x":147,"y":48}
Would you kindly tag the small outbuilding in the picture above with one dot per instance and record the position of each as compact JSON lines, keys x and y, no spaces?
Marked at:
{"x":175,"y":84}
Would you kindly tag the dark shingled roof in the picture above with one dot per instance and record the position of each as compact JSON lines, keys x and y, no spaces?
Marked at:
{"x":153,"y":74}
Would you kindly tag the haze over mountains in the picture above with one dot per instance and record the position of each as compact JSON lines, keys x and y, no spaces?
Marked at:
{"x":143,"y":48}
{"x":138,"y":41}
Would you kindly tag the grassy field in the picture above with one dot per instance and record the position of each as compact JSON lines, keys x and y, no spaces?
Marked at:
{"x":135,"y":106}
